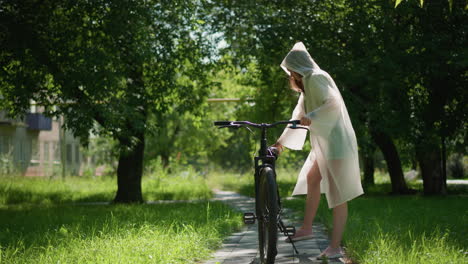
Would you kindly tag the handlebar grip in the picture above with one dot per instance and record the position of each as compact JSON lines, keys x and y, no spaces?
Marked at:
{"x":296,"y":122}
{"x":222,"y":123}
{"x":298,"y":127}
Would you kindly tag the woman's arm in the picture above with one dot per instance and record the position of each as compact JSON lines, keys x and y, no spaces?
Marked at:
{"x":278,"y":146}
{"x":294,"y":138}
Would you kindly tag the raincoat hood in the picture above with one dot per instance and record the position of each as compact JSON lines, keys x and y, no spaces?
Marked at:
{"x":299,"y":60}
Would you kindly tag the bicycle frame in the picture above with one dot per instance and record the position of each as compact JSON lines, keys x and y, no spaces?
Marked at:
{"x":271,"y":216}
{"x":266,"y":160}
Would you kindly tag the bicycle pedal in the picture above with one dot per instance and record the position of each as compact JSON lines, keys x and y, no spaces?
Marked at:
{"x":249,"y":218}
{"x":289,"y":231}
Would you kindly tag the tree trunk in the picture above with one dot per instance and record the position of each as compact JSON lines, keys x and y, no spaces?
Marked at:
{"x":165,"y":160}
{"x":444,"y":164}
{"x":429,"y":160}
{"x":129,"y":172}
{"x":390,"y":153}
{"x":368,"y":160}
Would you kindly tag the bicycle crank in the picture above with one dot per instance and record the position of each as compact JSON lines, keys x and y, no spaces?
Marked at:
{"x":289,"y":231}
{"x":249,"y":218}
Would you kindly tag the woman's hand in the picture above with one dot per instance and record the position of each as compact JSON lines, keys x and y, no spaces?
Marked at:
{"x":278,"y":146}
{"x":305,"y":121}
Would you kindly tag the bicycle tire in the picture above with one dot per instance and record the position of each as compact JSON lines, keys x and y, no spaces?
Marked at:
{"x":267,"y":224}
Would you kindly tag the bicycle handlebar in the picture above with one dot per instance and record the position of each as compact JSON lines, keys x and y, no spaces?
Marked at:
{"x":237,"y":124}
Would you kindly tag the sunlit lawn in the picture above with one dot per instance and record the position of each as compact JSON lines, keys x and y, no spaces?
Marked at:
{"x":389,"y":229}
{"x":37,"y":190}
{"x":42,"y":221}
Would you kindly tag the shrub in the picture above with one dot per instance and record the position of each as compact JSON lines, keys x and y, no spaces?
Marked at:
{"x":456,"y":167}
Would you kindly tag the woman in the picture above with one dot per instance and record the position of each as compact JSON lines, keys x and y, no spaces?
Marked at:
{"x":332,"y":166}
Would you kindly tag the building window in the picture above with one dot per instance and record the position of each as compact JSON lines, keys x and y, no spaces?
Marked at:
{"x":34,"y":149}
{"x":56,"y":150}
{"x":5,"y":142}
{"x":3,"y":149}
{"x":46,"y":151}
{"x":20,"y":151}
{"x":77,"y":154}
{"x":33,"y":108}
{"x":69,"y":153}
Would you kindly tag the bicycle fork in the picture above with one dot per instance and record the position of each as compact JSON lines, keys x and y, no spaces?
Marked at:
{"x":251,"y":218}
{"x":288,"y":231}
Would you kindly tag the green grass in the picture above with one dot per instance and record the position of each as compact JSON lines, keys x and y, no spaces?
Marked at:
{"x":159,"y":233}
{"x":402,"y":229}
{"x":16,"y":190}
{"x":390,"y":229}
{"x":42,"y":221}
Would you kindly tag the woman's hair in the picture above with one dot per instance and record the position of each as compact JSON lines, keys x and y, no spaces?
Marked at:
{"x":295,"y":85}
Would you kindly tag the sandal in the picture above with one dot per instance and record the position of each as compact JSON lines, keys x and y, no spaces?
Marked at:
{"x":324,"y":255}
{"x":301,"y":234}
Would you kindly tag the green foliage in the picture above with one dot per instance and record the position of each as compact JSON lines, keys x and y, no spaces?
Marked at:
{"x":111,"y":62}
{"x":421,"y":3}
{"x":7,"y":165}
{"x":189,"y":139}
{"x":117,"y":63}
{"x":104,"y":152}
{"x":400,"y":70}
{"x":144,"y":68}
{"x":457,"y":166}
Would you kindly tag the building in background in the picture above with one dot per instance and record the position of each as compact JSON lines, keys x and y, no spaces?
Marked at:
{"x":37,"y":146}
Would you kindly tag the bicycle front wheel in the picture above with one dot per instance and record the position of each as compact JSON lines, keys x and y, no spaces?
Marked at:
{"x":267,"y":224}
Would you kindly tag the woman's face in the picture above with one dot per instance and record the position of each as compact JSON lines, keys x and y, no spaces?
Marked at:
{"x":295,"y":79}
{"x":296,"y":75}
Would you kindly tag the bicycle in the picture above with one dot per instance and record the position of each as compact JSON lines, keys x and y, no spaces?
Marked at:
{"x":267,"y":200}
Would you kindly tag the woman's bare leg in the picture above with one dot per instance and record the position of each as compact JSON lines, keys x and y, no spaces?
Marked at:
{"x":313,"y":196}
{"x":340,"y":215}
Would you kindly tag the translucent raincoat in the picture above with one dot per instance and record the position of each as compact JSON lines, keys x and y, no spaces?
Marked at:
{"x":332,"y":137}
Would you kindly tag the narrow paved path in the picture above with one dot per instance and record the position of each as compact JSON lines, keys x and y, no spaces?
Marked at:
{"x":242,"y":247}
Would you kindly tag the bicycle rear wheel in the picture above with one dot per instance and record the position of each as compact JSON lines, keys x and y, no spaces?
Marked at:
{"x":267,"y":224}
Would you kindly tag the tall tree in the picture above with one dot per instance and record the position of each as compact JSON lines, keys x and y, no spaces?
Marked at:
{"x":438,"y":80}
{"x":416,"y":82}
{"x":373,"y":76}
{"x":111,"y":62}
